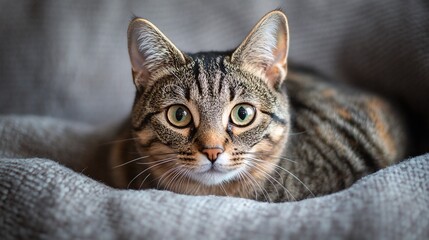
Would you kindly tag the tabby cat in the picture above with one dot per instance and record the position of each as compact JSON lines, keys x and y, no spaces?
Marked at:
{"x":232,"y":124}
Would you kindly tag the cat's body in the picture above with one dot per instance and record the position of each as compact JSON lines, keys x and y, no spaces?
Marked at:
{"x":338,"y":135}
{"x":226,"y":124}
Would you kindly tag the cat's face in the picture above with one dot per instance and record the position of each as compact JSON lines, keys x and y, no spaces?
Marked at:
{"x":210,"y":118}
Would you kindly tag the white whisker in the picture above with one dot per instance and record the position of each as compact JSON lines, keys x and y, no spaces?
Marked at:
{"x":285,"y":158}
{"x":165,"y":176}
{"x":224,"y":190}
{"x":147,"y":169}
{"x":293,"y":175}
{"x":141,"y":184}
{"x":249,"y":184}
{"x":185,"y":175}
{"x":118,"y":141}
{"x":297,"y":133}
{"x":271,"y":156}
{"x":275,"y":170}
{"x":136,"y":159}
{"x":157,"y":161}
{"x":197,"y":189}
{"x":179,"y":180}
{"x":267,"y":174}
{"x":264,"y":192}
{"x":177,"y":174}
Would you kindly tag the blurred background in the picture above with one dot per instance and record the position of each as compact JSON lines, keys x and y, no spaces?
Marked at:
{"x":69,"y":60}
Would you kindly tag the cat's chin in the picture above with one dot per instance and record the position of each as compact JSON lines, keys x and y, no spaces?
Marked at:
{"x":214,"y":177}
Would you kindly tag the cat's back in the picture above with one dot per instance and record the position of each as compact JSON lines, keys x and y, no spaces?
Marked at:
{"x":339,"y":134}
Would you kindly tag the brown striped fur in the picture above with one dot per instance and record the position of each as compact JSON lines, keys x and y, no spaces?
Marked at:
{"x":308,"y":137}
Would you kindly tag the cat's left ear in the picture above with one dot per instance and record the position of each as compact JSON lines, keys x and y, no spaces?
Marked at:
{"x":264,"y":51}
{"x":152,"y":54}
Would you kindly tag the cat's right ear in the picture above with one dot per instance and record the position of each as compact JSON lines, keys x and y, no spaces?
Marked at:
{"x":152,"y":54}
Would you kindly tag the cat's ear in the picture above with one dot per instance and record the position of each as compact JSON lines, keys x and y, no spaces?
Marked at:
{"x":151,"y":52}
{"x":264,"y":51}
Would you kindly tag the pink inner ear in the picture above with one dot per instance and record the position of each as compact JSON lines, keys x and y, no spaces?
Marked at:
{"x":280,"y":53}
{"x":277,"y":71}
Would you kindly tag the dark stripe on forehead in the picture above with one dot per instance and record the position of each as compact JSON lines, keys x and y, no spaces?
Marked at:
{"x":196,"y":71}
{"x":275,"y":118}
{"x":207,"y":63}
{"x":223,"y":73}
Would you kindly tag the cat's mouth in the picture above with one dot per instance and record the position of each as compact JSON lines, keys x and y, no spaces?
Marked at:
{"x":211,"y":168}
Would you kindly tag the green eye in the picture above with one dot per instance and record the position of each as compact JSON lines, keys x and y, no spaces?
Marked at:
{"x":242,"y":114}
{"x":179,"y":116}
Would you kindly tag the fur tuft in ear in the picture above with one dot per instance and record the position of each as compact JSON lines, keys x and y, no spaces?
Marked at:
{"x":264,"y":51}
{"x":151,"y":53}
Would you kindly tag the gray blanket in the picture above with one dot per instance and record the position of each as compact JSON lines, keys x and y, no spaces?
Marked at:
{"x":68,"y":60}
{"x":40,"y":198}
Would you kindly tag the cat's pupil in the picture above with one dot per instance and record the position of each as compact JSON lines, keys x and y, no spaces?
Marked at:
{"x":242,"y":113}
{"x":180,"y":114}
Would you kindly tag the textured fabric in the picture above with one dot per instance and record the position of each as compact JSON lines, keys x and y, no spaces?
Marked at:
{"x":40,"y":198}
{"x":68,"y":59}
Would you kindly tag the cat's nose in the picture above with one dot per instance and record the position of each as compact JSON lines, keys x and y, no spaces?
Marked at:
{"x":212,"y":153}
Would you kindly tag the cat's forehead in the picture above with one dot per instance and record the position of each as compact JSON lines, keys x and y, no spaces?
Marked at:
{"x":204,"y":77}
{"x":211,"y":80}
{"x":209,"y":68}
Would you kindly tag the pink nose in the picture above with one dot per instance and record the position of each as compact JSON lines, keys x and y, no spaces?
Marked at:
{"x":212,"y":153}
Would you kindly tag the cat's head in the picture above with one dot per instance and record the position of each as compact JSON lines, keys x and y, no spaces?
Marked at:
{"x":213,"y":118}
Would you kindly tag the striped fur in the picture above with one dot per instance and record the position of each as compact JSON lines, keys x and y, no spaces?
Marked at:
{"x":308,"y":137}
